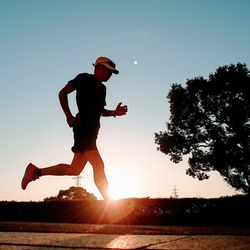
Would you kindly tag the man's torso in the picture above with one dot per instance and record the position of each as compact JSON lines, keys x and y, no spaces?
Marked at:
{"x":90,"y":98}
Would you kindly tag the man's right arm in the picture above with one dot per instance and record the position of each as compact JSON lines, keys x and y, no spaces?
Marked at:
{"x":63,"y":97}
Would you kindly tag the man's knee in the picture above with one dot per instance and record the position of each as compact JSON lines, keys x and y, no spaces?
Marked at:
{"x":76,"y":169}
{"x":78,"y":163}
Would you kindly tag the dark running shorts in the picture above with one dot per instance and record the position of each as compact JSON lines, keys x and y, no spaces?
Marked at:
{"x":84,"y":139}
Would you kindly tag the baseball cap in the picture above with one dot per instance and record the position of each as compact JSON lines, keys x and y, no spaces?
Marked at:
{"x":107,"y":63}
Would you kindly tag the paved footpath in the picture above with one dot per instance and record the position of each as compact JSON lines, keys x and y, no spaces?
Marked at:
{"x":18,"y":235}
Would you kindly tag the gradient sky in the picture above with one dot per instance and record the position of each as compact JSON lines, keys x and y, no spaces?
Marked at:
{"x":44,"y":44}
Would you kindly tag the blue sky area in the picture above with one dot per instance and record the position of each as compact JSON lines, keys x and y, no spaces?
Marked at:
{"x":44,"y":44}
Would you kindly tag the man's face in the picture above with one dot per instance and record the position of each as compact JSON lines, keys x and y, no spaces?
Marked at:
{"x":103,"y":73}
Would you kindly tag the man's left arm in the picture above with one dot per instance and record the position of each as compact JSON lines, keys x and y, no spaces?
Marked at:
{"x":119,"y":111}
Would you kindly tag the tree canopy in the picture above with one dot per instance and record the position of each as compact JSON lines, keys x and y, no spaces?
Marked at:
{"x":72,"y":194}
{"x":210,"y":123}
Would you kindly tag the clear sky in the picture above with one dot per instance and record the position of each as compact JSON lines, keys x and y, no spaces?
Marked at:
{"x":44,"y":44}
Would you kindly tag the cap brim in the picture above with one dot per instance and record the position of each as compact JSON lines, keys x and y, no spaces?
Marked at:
{"x":115,"y":71}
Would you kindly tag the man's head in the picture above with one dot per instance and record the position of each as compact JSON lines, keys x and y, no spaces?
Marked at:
{"x":109,"y":64}
{"x":104,"y":68}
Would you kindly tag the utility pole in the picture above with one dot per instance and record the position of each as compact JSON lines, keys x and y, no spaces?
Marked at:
{"x":78,"y":180}
{"x":175,"y":192}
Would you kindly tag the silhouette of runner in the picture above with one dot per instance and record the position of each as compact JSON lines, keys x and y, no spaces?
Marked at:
{"x":90,"y":99}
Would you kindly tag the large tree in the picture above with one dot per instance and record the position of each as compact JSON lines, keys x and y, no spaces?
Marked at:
{"x":210,"y":123}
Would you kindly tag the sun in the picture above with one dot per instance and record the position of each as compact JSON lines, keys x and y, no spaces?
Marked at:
{"x":121,"y":185}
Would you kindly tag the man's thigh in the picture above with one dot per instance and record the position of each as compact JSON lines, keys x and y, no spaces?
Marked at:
{"x":94,"y":158}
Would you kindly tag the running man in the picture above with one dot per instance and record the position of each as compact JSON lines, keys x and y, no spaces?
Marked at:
{"x":90,"y":99}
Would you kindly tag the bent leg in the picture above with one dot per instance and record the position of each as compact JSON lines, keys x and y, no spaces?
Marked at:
{"x":75,"y":168}
{"x":100,"y":178}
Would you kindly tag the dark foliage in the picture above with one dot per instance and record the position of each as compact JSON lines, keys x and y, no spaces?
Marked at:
{"x":227,"y":211}
{"x":210,"y":122}
{"x":72,"y":194}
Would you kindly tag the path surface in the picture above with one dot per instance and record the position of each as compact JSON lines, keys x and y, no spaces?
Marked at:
{"x":81,"y":236}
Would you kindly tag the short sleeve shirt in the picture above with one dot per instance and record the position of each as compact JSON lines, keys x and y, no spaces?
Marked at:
{"x":90,"y":98}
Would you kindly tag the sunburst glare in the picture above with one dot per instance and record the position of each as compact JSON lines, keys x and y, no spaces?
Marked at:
{"x":121,"y":185}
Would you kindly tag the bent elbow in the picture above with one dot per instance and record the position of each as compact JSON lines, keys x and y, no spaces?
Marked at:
{"x":62,"y":94}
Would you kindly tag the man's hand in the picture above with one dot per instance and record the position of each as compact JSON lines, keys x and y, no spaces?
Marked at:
{"x":120,"y":110}
{"x":73,"y":121}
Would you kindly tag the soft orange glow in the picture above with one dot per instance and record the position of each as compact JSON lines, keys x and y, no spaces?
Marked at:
{"x":121,"y":185}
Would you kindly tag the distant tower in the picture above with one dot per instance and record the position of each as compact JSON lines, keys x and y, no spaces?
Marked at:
{"x":175,"y":193}
{"x":78,"y":180}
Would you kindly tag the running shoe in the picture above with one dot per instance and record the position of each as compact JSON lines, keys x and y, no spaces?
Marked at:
{"x":29,"y":175}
